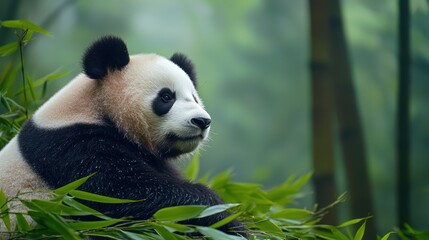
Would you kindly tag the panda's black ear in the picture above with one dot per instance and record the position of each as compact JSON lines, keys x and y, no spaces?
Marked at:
{"x":107,"y":53}
{"x":184,"y":63}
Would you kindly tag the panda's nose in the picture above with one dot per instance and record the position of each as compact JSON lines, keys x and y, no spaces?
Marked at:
{"x":201,"y":122}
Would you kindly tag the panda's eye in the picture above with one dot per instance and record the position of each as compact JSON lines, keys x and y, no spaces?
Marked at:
{"x":166,"y":97}
{"x":164,"y":101}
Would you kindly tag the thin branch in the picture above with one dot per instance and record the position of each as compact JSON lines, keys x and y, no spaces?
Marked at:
{"x":21,"y":55}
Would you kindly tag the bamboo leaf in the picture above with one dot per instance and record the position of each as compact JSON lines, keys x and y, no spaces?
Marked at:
{"x":8,"y":49}
{"x":225,"y":220}
{"x":292,"y":213}
{"x":269,"y":227}
{"x":179,"y":213}
{"x":360,"y":232}
{"x":21,"y":223}
{"x":31,"y":86}
{"x":55,"y":224}
{"x":7,"y":77}
{"x":24,"y":24}
{"x":81,"y":207}
{"x":132,"y":236}
{"x":338,"y":234}
{"x":4,"y":210}
{"x":5,"y":103}
{"x":216,"y":234}
{"x":43,"y":80}
{"x":15,"y":104}
{"x":91,"y":225}
{"x":177,"y":226}
{"x":163,"y":232}
{"x":99,"y":198}
{"x":324,"y":235}
{"x":351,"y":222}
{"x":71,"y":186}
{"x":385,"y":237}
{"x":191,"y":171}
{"x":216,"y":209}
{"x":54,"y":207}
{"x":28,"y":36}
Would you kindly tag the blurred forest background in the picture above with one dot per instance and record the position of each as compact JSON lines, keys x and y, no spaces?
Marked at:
{"x":253,"y":63}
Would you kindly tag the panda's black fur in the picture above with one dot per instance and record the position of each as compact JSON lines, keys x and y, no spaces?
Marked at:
{"x":183,"y":62}
{"x":124,"y":168}
{"x":108,"y":53}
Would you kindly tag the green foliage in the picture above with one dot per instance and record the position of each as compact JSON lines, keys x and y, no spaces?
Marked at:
{"x":410,"y":233}
{"x":15,"y":107}
{"x":264,"y":214}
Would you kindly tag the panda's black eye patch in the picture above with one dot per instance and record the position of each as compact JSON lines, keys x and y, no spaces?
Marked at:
{"x":163,"y":102}
{"x":166,"y":97}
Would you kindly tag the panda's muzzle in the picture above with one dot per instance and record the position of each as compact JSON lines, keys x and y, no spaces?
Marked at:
{"x":200,"y":122}
{"x":174,"y":138}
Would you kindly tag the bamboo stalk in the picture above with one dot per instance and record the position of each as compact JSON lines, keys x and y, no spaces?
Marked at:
{"x":402,"y":127}
{"x":350,"y":128}
{"x":322,"y":109}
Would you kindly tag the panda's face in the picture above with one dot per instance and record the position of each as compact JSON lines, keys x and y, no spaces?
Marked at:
{"x":155,"y":103}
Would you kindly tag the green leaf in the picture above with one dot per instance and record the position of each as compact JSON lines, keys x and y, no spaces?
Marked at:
{"x":324,"y":235}
{"x":5,"y":103}
{"x":4,"y":210}
{"x":216,"y":234}
{"x":28,"y":36}
{"x":29,"y":81}
{"x":292,"y":213}
{"x":7,"y":76}
{"x":269,"y":227}
{"x":54,"y":223}
{"x":8,"y":49}
{"x":360,"y":232}
{"x":163,"y":232}
{"x":191,"y":171}
{"x":351,"y":222}
{"x":338,"y":234}
{"x":91,"y":225}
{"x":179,"y":213}
{"x":225,"y":220}
{"x":15,"y":104}
{"x":132,"y":236}
{"x":177,"y":226}
{"x":24,"y":24}
{"x":216,"y":209}
{"x":53,"y":207}
{"x":83,"y":208}
{"x":43,"y":80}
{"x":99,"y":198}
{"x":285,"y":193}
{"x":71,"y":186}
{"x":385,"y":237}
{"x":21,"y":223}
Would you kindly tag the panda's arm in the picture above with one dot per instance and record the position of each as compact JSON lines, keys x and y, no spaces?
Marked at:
{"x":157,"y":191}
{"x":123,"y":174}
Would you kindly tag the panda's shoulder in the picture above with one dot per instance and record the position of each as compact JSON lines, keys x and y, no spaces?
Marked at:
{"x":77,"y":140}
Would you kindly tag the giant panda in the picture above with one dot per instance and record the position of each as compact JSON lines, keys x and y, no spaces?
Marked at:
{"x":125,"y":118}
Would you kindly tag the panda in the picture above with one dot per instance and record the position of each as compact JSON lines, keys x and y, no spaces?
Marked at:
{"x":125,"y":118}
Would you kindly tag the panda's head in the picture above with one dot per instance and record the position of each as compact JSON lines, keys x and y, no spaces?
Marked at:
{"x":151,"y":99}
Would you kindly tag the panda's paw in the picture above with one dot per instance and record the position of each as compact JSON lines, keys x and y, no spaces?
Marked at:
{"x":235,"y":227}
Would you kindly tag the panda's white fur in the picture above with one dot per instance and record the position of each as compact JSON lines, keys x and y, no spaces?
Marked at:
{"x":111,"y":120}
{"x":16,"y":175}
